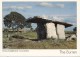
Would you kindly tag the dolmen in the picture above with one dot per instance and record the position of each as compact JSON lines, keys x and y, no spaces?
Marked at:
{"x":49,"y":28}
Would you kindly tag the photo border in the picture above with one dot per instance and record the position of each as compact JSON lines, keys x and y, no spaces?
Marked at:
{"x":41,"y":52}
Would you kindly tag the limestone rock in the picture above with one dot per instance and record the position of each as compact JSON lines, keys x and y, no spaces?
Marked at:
{"x":51,"y":30}
{"x":60,"y":31}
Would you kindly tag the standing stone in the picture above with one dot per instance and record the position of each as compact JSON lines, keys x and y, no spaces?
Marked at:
{"x":60,"y":31}
{"x":51,"y":30}
{"x":41,"y":31}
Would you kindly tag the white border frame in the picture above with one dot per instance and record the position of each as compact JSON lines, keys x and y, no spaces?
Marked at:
{"x":41,"y":52}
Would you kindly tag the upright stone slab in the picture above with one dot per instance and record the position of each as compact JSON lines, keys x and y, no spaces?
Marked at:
{"x":60,"y":31}
{"x":41,"y":31}
{"x":51,"y":30}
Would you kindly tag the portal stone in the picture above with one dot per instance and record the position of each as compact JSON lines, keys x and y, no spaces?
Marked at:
{"x":61,"y":31}
{"x":51,"y":30}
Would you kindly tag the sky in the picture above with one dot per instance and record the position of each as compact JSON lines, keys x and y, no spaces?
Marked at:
{"x":60,"y":11}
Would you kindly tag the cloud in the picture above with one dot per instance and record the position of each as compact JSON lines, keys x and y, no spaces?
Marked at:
{"x":54,"y":18}
{"x":60,"y":5}
{"x":71,"y":20}
{"x":62,"y":18}
{"x":65,"y":16}
{"x":18,"y":7}
{"x":44,"y":4}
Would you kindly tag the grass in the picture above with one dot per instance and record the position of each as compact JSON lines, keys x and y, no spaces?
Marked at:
{"x":26,"y":43}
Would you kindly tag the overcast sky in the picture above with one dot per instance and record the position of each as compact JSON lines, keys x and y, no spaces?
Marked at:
{"x":61,"y":11}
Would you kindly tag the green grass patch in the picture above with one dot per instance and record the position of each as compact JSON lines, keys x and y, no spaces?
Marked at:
{"x":25,"y":43}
